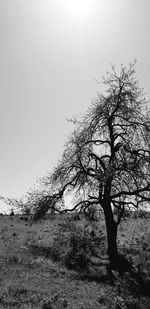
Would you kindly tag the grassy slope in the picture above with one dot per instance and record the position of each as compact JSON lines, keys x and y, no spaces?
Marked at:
{"x":28,"y":279}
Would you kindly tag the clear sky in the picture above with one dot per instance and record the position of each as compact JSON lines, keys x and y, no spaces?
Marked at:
{"x":51,"y":53}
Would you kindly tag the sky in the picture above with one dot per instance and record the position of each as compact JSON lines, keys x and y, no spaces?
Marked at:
{"x":51,"y":54}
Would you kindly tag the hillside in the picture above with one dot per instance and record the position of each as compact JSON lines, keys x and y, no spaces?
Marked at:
{"x":35,"y":270}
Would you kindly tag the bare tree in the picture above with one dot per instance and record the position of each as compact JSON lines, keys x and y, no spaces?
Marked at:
{"x":106,"y":160}
{"x":37,"y":201}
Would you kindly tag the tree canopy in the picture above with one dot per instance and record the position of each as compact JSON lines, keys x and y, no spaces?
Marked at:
{"x":108,"y":154}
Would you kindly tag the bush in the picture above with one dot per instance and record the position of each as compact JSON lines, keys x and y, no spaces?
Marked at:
{"x":83,"y":243}
{"x":92,"y":213}
{"x":77,"y":255}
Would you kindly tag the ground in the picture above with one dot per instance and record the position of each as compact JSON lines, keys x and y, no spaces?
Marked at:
{"x":33,"y":273}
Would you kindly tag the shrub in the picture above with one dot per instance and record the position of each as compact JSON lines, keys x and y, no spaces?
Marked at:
{"x":77,"y":255}
{"x":83,"y":243}
{"x":92,"y":213}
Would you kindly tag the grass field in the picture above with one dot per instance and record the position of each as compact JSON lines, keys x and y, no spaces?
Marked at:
{"x":34,"y":272}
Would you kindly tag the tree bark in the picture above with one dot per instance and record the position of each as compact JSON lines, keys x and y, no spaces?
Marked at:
{"x":111,"y":228}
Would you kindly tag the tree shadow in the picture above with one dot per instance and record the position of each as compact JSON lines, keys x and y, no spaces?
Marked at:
{"x":93,"y":277}
{"x":133,"y":284}
{"x":143,"y":285}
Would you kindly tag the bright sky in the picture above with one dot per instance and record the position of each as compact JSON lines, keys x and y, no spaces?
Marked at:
{"x":51,"y":53}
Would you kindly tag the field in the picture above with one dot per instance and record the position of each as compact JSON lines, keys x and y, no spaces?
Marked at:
{"x":38,"y":268}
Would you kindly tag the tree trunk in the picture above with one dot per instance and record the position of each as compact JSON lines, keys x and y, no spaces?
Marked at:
{"x":111,"y":228}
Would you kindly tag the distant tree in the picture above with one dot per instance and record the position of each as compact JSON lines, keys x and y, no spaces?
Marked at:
{"x":12,"y":213}
{"x":106,"y":160}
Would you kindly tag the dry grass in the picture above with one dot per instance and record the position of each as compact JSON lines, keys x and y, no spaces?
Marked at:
{"x":33,"y":273}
